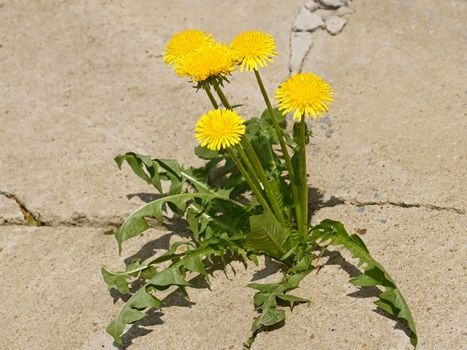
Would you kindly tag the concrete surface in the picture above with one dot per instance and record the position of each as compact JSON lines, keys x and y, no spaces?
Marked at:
{"x":53,"y":297}
{"x":82,"y":81}
{"x":397,"y":129}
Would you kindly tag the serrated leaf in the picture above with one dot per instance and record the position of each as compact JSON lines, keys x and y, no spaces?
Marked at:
{"x":292,"y":299}
{"x":195,"y":264}
{"x":267,"y":235}
{"x":136,"y":223}
{"x":140,"y":163}
{"x":115,"y":281}
{"x":266,"y":299}
{"x":131,"y":312}
{"x":141,"y":300}
{"x":270,"y":317}
{"x":391,"y":300}
{"x":364,"y":281}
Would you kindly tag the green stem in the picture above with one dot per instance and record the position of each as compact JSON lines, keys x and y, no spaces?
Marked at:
{"x":285,"y":152}
{"x":222,"y":97}
{"x":256,"y":191}
{"x":258,"y":169}
{"x":303,"y":178}
{"x":211,"y":97}
{"x":249,"y":168}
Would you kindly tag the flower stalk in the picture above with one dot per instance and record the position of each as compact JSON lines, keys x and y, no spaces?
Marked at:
{"x":210,"y":96}
{"x":254,"y":166}
{"x":285,"y":152}
{"x":256,"y":191}
{"x":303,"y":177}
{"x":264,"y":180}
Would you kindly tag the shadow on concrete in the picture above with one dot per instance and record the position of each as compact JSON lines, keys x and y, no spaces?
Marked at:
{"x":316,"y":202}
{"x":270,"y":268}
{"x":137,"y":329}
{"x":335,"y":258}
{"x":145,"y":197}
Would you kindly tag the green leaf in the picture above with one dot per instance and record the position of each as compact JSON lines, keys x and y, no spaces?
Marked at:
{"x":266,"y":299}
{"x":140,"y":163}
{"x":292,"y":299}
{"x":279,"y":115}
{"x":142,"y":300}
{"x":121,"y":279}
{"x":391,"y":299}
{"x":117,"y":281}
{"x":205,"y":153}
{"x":195,"y":264}
{"x":136,"y":223}
{"x":131,"y":312}
{"x":267,"y":235}
{"x":268,"y":318}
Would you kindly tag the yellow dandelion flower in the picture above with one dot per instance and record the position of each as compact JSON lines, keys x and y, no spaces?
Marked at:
{"x":253,"y":49}
{"x":216,"y":60}
{"x":304,"y":94}
{"x":183,"y":43}
{"x":219,"y":129}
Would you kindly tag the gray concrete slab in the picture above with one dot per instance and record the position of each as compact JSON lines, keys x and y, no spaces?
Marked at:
{"x":396,"y":131}
{"x":53,"y":297}
{"x":84,"y":81}
{"x":423,"y":250}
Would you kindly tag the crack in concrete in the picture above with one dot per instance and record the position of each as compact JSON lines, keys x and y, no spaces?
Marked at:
{"x":115,"y":222}
{"x":335,"y":201}
{"x":29,"y":217}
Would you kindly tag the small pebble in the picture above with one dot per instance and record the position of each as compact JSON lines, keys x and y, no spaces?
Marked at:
{"x":343,"y":11}
{"x":325,"y":13}
{"x":334,"y":24}
{"x":311,"y":5}
{"x":300,"y":44}
{"x":307,"y":21}
{"x":360,"y":209}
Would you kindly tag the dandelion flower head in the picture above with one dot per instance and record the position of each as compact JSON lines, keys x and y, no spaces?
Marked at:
{"x":253,"y":49}
{"x":215,"y":60}
{"x":304,"y":94}
{"x":219,"y":129}
{"x":183,"y":43}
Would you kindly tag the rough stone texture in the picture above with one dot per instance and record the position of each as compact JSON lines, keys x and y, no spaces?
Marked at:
{"x":398,"y":120}
{"x":344,"y":11}
{"x":300,"y":45}
{"x":84,"y":81}
{"x":53,"y":296}
{"x":311,"y":5}
{"x":333,"y":3}
{"x":428,"y":266}
{"x":334,"y":24}
{"x":9,"y":211}
{"x":324,"y":13}
{"x":307,"y":21}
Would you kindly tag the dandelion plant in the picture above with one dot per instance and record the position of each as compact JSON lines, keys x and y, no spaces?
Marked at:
{"x":249,"y":198}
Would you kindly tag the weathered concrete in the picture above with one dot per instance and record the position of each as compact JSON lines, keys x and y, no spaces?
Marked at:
{"x":396,"y":130}
{"x":422,"y":249}
{"x":53,"y":297}
{"x":84,"y":81}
